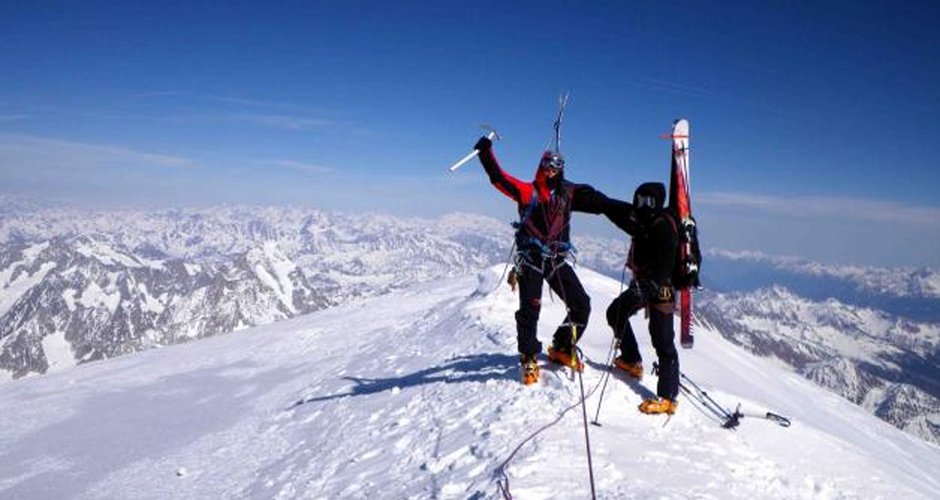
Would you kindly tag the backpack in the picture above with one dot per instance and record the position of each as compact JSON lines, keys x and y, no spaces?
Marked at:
{"x":685,"y":272}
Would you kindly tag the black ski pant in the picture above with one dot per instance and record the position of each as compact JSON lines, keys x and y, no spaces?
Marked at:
{"x":566,"y":285}
{"x":662,"y":334}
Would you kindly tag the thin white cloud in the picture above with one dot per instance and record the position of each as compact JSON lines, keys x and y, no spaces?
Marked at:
{"x":24,"y":152}
{"x":278,"y":107}
{"x":281,"y":115}
{"x":857,"y":209}
{"x":674,"y":87}
{"x":12,"y":118}
{"x":287,"y":122}
{"x":157,"y":94}
{"x":257,"y":112}
{"x":309,"y":168}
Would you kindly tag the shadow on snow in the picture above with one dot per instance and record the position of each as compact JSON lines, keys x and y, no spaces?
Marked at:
{"x":474,"y":368}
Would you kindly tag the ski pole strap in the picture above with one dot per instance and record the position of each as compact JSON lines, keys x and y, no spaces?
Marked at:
{"x":779,"y":419}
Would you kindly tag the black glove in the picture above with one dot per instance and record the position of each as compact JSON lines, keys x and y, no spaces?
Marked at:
{"x":484,"y":144}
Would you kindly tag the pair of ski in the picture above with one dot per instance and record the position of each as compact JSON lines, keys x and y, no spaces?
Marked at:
{"x":681,"y":202}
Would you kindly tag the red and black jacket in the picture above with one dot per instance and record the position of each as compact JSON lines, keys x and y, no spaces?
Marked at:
{"x":545,"y":213}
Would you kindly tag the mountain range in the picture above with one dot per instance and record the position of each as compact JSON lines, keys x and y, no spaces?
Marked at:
{"x":78,"y":287}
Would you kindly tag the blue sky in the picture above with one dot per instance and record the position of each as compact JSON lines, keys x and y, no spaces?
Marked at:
{"x":812,"y":122}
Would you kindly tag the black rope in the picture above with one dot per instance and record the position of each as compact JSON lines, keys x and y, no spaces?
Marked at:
{"x":503,"y":481}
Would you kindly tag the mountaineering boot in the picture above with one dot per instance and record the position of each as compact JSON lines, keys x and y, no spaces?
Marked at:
{"x":657,"y":406}
{"x":564,"y":357}
{"x":529,"y":370}
{"x":634,"y":370}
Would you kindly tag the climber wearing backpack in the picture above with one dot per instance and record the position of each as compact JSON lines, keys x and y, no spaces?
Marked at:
{"x":542,"y":246}
{"x":652,"y":258}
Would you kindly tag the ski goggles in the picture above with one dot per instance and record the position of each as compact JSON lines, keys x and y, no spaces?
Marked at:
{"x":553,"y":162}
{"x":644,"y":201}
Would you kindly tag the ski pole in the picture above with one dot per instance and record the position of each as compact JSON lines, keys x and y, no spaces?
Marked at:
{"x":471,"y":155}
{"x":555,"y":143}
{"x":614,"y":344}
{"x":587,"y":436}
{"x":729,"y":420}
{"x":600,"y":401}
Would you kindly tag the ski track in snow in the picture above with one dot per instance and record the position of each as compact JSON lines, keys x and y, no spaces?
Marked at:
{"x":416,"y":395}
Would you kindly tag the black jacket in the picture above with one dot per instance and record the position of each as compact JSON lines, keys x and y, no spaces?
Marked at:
{"x":655,"y":242}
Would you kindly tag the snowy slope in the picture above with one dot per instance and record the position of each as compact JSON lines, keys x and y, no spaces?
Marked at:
{"x":414,"y":395}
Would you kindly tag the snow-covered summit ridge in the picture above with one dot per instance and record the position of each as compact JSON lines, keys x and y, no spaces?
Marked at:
{"x":415,"y":394}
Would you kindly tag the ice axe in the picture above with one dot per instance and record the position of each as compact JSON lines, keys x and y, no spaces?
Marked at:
{"x":491,"y":135}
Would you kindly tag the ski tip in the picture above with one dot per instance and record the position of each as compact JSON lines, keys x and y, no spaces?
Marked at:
{"x":680,"y":129}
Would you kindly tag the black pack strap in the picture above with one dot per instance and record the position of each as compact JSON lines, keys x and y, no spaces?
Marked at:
{"x":533,"y":201}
